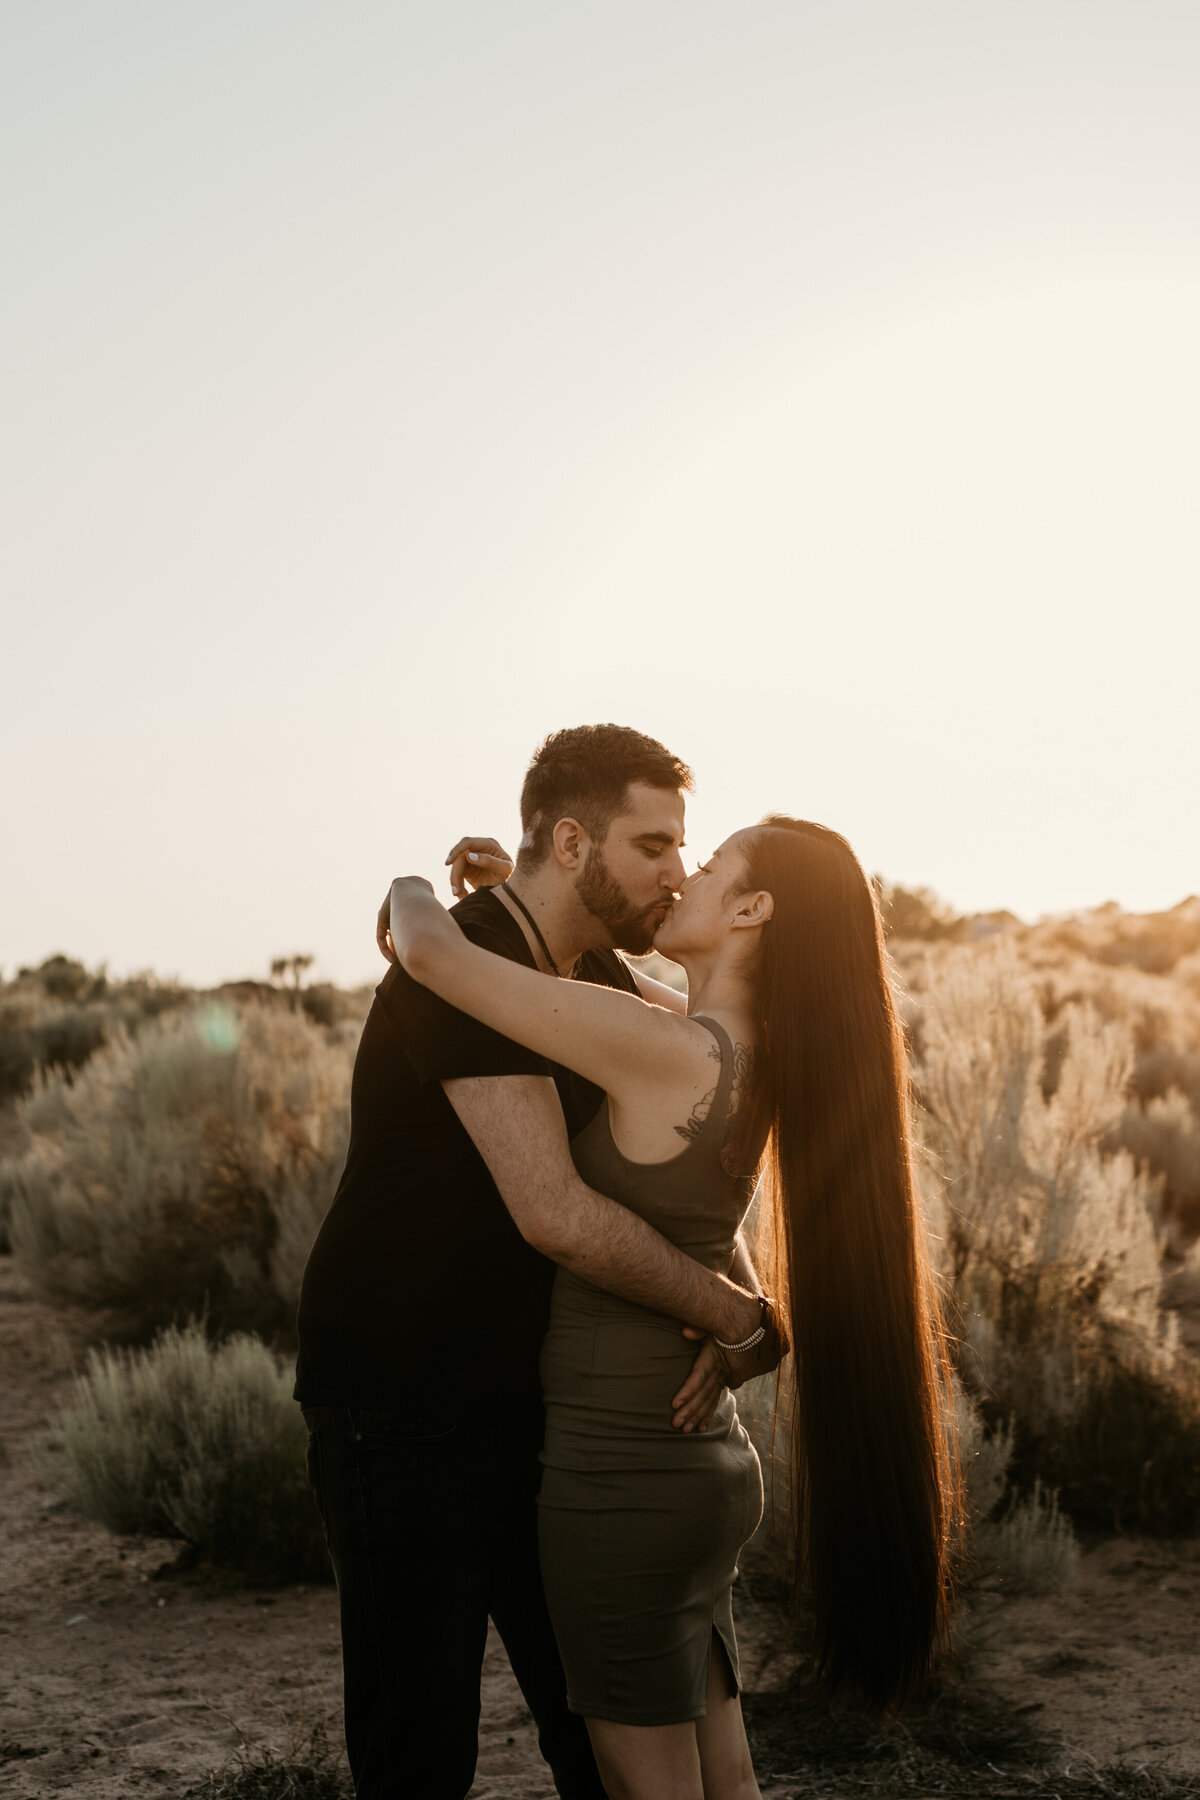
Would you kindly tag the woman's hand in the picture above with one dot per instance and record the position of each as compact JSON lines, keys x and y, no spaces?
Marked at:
{"x":481,"y":861}
{"x":697,"y":1399}
{"x":716,"y":1368}
{"x":383,"y":922}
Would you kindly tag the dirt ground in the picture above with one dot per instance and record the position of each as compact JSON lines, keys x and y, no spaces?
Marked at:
{"x":115,"y":1682}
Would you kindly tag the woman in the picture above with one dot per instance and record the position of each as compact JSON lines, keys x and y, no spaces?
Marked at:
{"x":790,"y":1061}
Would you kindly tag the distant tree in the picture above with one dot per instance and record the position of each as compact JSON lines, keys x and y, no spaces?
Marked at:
{"x":61,"y":977}
{"x":291,"y":969}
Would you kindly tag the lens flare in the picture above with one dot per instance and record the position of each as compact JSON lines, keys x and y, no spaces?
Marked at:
{"x":220,"y":1028}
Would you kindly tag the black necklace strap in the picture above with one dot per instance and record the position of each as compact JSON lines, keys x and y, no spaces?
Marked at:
{"x":533,"y":926}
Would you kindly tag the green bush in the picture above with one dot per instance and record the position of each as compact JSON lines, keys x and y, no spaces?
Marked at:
{"x":199,"y":1442}
{"x":184,"y":1172}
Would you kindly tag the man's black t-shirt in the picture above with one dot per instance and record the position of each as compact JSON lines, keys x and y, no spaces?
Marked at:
{"x":418,"y":1271}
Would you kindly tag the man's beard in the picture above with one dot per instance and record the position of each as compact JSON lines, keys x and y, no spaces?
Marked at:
{"x":604,"y":897}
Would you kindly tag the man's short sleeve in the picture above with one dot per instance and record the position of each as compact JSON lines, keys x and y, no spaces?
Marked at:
{"x":442,"y":1043}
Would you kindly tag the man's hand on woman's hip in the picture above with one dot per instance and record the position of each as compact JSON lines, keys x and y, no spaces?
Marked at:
{"x":717,"y":1367}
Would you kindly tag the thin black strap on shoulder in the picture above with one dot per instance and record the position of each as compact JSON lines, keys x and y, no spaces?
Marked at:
{"x":718,"y":1112}
{"x":533,"y":926}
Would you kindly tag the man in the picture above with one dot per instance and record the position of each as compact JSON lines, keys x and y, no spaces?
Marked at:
{"x":426,"y":1293}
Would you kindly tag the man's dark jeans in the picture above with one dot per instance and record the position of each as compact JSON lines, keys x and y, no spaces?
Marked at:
{"x":430,"y":1528}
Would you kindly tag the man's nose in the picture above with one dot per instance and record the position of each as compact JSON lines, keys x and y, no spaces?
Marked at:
{"x":671,"y":873}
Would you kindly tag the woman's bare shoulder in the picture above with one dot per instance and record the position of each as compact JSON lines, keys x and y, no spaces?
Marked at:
{"x":693,"y":1054}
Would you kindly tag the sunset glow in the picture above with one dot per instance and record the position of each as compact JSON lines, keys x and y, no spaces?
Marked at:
{"x":388,"y":387}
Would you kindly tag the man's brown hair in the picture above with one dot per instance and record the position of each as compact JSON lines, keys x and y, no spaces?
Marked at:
{"x":584,"y":773}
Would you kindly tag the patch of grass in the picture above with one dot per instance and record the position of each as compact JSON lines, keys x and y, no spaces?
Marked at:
{"x":964,"y":1746}
{"x":313,"y":1769}
{"x":11,"y":1751}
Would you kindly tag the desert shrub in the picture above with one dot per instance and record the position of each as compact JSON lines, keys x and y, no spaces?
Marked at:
{"x":1032,"y":1546}
{"x":1026,"y":1541}
{"x":8,"y":1192}
{"x":184,"y":1171}
{"x":1051,"y":1245}
{"x":312,"y":1768}
{"x":320,"y":1003}
{"x":1164,"y":1135}
{"x":63,"y":1039}
{"x":59,"y":1015}
{"x":1149,"y":944}
{"x":1164,"y":1067}
{"x":1181,"y":1281}
{"x":67,"y":1041}
{"x":335,"y":1007}
{"x":1141,"y":952}
{"x":1155,"y":942}
{"x":1126,"y":1454}
{"x":60,"y":976}
{"x":914,"y":912}
{"x":18,"y":1059}
{"x":1023,"y":1539}
{"x":199,"y":1442}
{"x":984,"y":1457}
{"x":1162,"y":1018}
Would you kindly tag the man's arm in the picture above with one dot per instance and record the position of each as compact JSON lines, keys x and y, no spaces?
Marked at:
{"x":742,"y":1269}
{"x":608,"y":1036}
{"x":697,"y":1399}
{"x":517,"y":1125}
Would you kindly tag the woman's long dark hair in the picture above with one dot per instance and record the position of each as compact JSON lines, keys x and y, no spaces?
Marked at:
{"x":872,"y":1472}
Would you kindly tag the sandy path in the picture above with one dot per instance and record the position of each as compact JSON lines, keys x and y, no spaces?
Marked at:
{"x":113,"y":1682}
{"x":116,"y":1684}
{"x":1113,"y":1665}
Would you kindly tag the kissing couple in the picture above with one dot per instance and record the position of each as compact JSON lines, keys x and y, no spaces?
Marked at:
{"x":525,"y":1312}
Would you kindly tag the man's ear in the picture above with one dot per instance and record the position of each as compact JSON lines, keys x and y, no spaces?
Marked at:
{"x":751,"y":910}
{"x":570,"y":843}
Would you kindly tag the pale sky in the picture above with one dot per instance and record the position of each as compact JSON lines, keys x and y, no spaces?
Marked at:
{"x":815,"y":387}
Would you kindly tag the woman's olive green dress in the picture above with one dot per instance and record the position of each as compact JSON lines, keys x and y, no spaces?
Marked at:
{"x":639,"y":1525}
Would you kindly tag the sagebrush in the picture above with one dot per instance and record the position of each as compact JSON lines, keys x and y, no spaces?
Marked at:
{"x":197,"y":1441}
{"x":181,"y":1166}
{"x":183,"y":1172}
{"x":1051,"y":1233}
